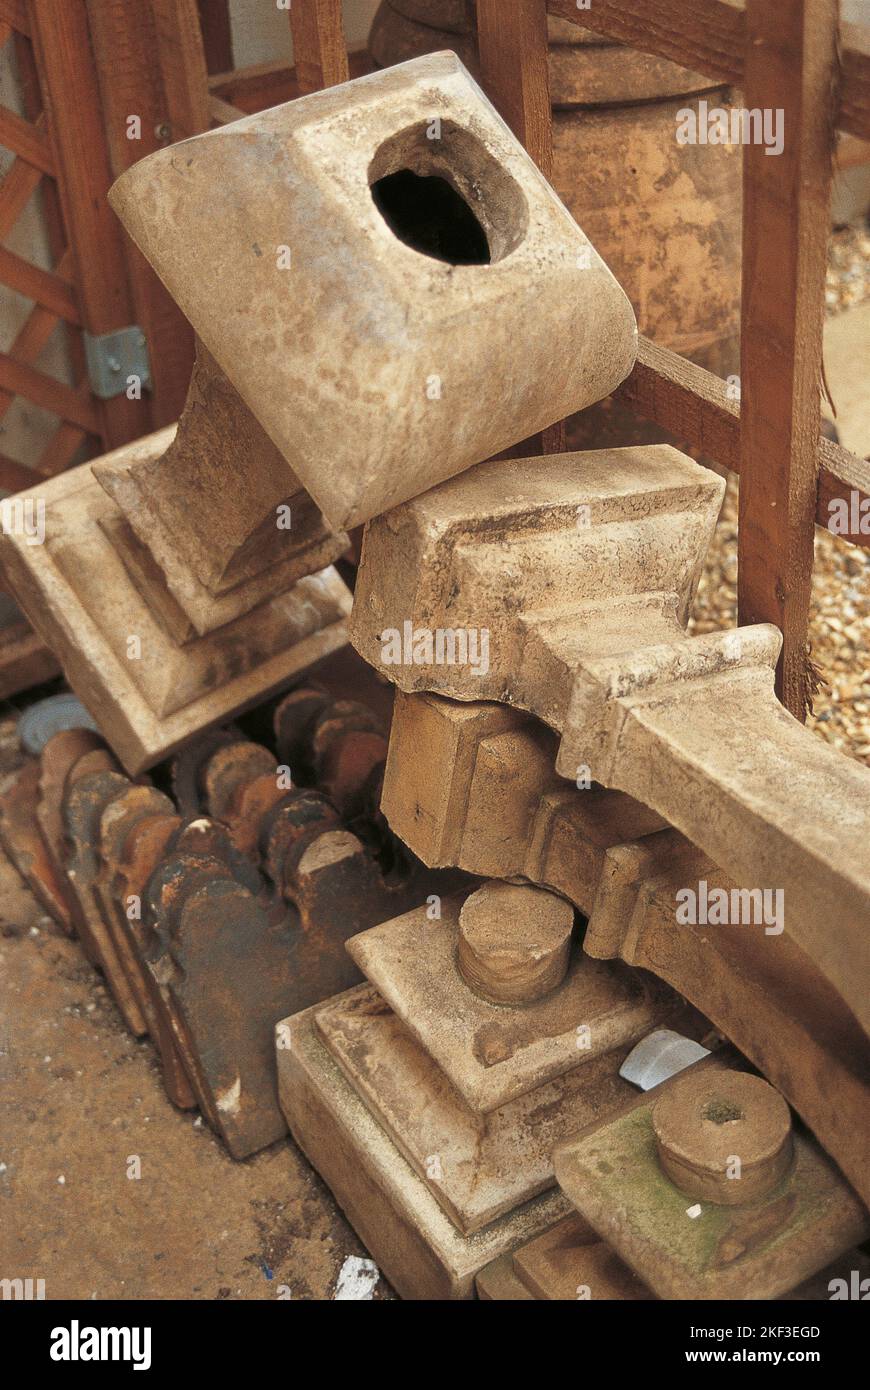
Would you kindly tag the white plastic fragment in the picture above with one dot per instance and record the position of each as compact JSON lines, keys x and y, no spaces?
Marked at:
{"x":356,"y":1280}
{"x":659,"y":1056}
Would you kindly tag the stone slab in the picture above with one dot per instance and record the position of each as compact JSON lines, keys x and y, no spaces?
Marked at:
{"x":490,"y":1053}
{"x":478,"y":1167}
{"x":408,"y":1234}
{"x":544,"y":1277}
{"x":757,"y":1251}
{"x":149,"y":706}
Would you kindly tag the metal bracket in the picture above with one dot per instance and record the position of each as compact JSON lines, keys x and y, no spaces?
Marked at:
{"x":114,"y":357}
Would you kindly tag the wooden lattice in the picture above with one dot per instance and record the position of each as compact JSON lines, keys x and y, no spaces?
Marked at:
{"x":82,"y":70}
{"x":51,"y":291}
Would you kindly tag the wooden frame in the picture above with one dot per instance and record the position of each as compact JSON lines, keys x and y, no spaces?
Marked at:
{"x":36,"y":163}
{"x":164,"y":81}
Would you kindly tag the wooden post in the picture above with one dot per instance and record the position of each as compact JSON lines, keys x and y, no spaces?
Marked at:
{"x":789,"y":69}
{"x":135,"y":82}
{"x":319,"y":47}
{"x":513,"y":60}
{"x":72,"y":100}
{"x":514,"y":66}
{"x":217,"y":34}
{"x":182,"y":67}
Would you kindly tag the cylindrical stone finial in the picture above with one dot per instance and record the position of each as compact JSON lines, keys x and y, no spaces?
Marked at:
{"x":514,"y":942}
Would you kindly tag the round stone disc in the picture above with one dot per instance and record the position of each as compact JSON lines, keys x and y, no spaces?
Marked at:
{"x":723,"y":1136}
{"x":514,"y":942}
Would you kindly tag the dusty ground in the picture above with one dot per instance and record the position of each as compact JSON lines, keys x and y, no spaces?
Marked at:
{"x":78,"y":1099}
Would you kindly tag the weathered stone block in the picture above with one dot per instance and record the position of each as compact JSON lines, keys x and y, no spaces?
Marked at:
{"x":392,"y":1210}
{"x":394,"y":232}
{"x":685,"y":1249}
{"x":493,"y":1054}
{"x":136,"y":661}
{"x":561,"y":585}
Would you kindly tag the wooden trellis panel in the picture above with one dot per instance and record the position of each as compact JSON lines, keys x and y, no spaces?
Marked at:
{"x":64,"y":60}
{"x":51,"y":291}
{"x":59,"y":149}
{"x":84,"y":70}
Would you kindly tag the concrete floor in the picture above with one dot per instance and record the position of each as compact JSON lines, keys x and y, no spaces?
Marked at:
{"x":78,"y":1099}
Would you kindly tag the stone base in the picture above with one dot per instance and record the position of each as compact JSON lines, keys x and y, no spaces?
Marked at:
{"x":491,"y":1054}
{"x":760,"y":1250}
{"x":566,"y":1263}
{"x":147,"y":693}
{"x":164,"y":575}
{"x":395,"y":1215}
{"x":477,"y":1167}
{"x":570,"y":1264}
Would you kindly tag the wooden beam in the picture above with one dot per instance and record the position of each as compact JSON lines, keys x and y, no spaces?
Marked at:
{"x":843,"y":477}
{"x":513,"y":63}
{"x":74,"y":120}
{"x":26,"y":140}
{"x":183,"y":70}
{"x":16,"y":191}
{"x":22,"y":380}
{"x":854,"y":108}
{"x":268,"y":84}
{"x":709,"y":36}
{"x":61,"y":449}
{"x":29,"y":342}
{"x":255,"y":87}
{"x":42,"y":286}
{"x":30,"y":339}
{"x":514,"y":71}
{"x":319,"y":46}
{"x":217,"y":34}
{"x":17,"y":477}
{"x":790,"y":66}
{"x":698,"y":409}
{"x":690,"y":403}
{"x":131,"y":82}
{"x":14,"y":13}
{"x":222,"y":113}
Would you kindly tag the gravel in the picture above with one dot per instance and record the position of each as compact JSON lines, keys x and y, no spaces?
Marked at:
{"x":840,"y":614}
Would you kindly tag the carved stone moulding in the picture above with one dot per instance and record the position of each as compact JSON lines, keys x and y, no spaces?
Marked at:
{"x":129,"y":650}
